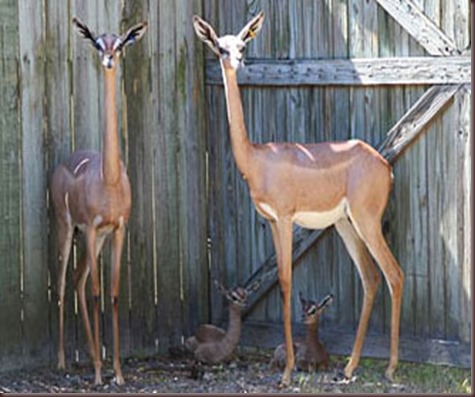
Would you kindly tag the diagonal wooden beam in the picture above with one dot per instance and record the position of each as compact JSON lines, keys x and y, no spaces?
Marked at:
{"x":420,"y":26}
{"x":415,"y":120}
{"x":398,"y":138}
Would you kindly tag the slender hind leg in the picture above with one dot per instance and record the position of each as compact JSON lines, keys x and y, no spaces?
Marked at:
{"x":64,"y":236}
{"x":91,"y":254}
{"x":370,"y":279}
{"x":369,"y":229}
{"x":282,"y":235}
{"x":117,"y":243}
{"x":80,"y":278}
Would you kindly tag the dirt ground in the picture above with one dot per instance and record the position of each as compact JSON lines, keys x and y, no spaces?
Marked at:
{"x":249,"y":373}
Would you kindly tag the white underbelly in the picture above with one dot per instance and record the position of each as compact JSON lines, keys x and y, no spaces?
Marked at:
{"x":321,"y":219}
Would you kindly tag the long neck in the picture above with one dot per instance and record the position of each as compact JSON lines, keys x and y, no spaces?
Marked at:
{"x":239,"y":140}
{"x":110,"y":143}
{"x":312,"y":333}
{"x":233,"y":332}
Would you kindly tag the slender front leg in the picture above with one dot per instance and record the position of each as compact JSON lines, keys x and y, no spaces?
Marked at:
{"x":117,"y":243}
{"x":80,"y":277}
{"x":282,"y":235}
{"x":91,"y":235}
{"x":65,"y":236}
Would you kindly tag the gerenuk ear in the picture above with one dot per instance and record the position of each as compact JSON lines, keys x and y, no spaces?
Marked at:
{"x":253,"y":27}
{"x":134,"y":34}
{"x":84,"y":31}
{"x":206,"y":33}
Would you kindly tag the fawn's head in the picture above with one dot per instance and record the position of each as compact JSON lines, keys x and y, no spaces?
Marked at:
{"x":110,"y":45}
{"x":311,"y":311}
{"x":229,"y":48}
{"x":238,"y":295}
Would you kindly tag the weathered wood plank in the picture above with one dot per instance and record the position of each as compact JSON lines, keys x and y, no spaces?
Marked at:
{"x":464,"y":104}
{"x":139,"y":127}
{"x":462,"y":29}
{"x":87,"y":80}
{"x":355,"y":71}
{"x":406,"y":129}
{"x":217,"y":200}
{"x":59,"y":137}
{"x":192,"y":134}
{"x":467,"y":213}
{"x":419,"y":26}
{"x":10,"y":193}
{"x":167,"y":189}
{"x":437,"y":251}
{"x":413,"y":244}
{"x":451,"y":221}
{"x":34,"y":180}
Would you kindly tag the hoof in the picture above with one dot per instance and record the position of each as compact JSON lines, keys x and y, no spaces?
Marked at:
{"x":389,"y":374}
{"x":284,"y":382}
{"x":350,"y":367}
{"x":119,"y":380}
{"x":282,"y":385}
{"x":61,"y":362}
{"x":339,"y":376}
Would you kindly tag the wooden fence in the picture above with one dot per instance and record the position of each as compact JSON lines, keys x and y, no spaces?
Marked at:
{"x":318,"y":71}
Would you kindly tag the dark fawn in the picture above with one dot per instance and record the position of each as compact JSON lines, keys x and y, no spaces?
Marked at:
{"x":310,"y":354}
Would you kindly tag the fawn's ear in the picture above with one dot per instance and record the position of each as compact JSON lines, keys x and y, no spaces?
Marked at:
{"x":206,"y":33}
{"x":134,"y":34}
{"x":325,"y":302}
{"x":220,"y":287}
{"x":252,"y":28}
{"x":84,"y":31}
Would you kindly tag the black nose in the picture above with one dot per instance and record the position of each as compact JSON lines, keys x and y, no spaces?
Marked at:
{"x":109,"y":61}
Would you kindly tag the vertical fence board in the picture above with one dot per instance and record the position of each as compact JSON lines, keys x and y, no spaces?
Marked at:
{"x":34,"y":214}
{"x":192,"y":210}
{"x":464,"y":181}
{"x":58,"y":145}
{"x":215,"y":127}
{"x":462,"y":33}
{"x":87,"y":79}
{"x":435,"y":293}
{"x":467,"y":184}
{"x":169,"y":254}
{"x":10,"y":193}
{"x":140,"y":133}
